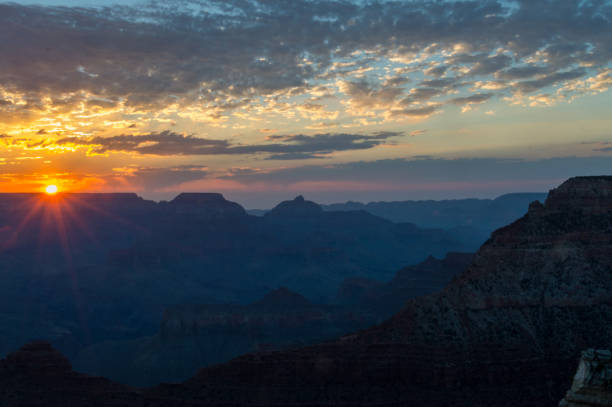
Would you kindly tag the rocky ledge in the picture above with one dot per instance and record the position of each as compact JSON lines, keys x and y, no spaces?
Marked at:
{"x":592,"y":386}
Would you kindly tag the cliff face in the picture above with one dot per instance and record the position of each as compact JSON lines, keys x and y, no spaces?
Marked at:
{"x":506,"y":332}
{"x":427,"y":277}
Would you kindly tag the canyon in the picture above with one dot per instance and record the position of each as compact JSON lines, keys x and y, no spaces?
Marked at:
{"x":508,"y":331}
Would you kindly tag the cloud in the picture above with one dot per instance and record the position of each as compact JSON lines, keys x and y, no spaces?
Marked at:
{"x":214,"y":58}
{"x":412,"y":178}
{"x":472,"y":99}
{"x":282,"y":147}
{"x":365,"y":95}
{"x":551,"y":79}
{"x":489,"y":65}
{"x":436,"y":70}
{"x":402,"y":172}
{"x":522,"y":72}
{"x":417,"y":112}
{"x":467,"y":101}
{"x":164,"y":143}
{"x":151,"y":179}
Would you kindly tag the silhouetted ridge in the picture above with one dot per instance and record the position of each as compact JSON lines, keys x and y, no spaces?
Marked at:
{"x":283,"y":297}
{"x":299,"y":207}
{"x":39,"y":358}
{"x":206,"y":204}
{"x":519,"y":197}
{"x":476,"y":216}
{"x":38,"y":375}
{"x":198,"y":198}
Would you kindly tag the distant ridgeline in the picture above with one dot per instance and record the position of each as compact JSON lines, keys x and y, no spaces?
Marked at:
{"x":81,"y":269}
{"x":506,"y":332}
{"x":480,"y":214}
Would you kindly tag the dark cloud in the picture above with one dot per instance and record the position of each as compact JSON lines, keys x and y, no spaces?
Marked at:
{"x":284,"y":147}
{"x":417,"y":112}
{"x":522,"y":72}
{"x":436,"y":71}
{"x":551,"y":79}
{"x":472,"y":99}
{"x":424,"y":170}
{"x":317,"y":146}
{"x":439,"y":83}
{"x":164,"y":143}
{"x":430,"y":89}
{"x":294,"y":156}
{"x":489,"y":65}
{"x":157,"y":178}
{"x":418,"y":95}
{"x":422,"y":177}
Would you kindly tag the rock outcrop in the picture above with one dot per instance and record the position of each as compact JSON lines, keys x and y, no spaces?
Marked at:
{"x":506,"y":332}
{"x":299,"y":207}
{"x":592,"y":386}
{"x":206,"y":205}
{"x":37,"y":375}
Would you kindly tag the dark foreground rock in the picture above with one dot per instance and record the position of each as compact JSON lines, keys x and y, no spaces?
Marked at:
{"x":38,"y":375}
{"x":592,"y":384}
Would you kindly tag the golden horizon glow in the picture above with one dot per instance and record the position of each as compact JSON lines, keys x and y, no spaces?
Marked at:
{"x":341,"y":115}
{"x":51,"y":189}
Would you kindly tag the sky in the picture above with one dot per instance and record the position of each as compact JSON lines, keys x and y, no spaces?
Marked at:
{"x":263,"y":100}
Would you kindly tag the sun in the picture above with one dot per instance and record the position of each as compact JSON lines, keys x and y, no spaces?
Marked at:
{"x":51,"y":189}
